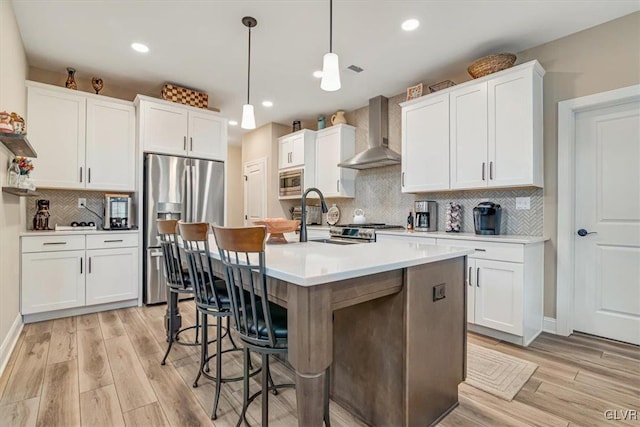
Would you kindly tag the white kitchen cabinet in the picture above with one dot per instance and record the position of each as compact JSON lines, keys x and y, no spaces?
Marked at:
{"x":56,"y":127}
{"x":52,"y":281}
{"x":296,"y":149}
{"x":82,"y":140}
{"x":112,"y":275}
{"x":169,"y":128}
{"x":468,"y":121}
{"x":110,"y":150}
{"x":334,"y":145}
{"x":425,"y":145}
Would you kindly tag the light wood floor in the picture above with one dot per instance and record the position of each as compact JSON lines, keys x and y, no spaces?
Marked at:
{"x":104,"y":369}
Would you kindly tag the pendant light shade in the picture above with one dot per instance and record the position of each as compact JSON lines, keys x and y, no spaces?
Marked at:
{"x":330,"y":64}
{"x":248,"y":116}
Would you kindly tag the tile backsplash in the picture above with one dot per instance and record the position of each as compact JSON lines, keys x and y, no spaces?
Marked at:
{"x":64,"y":208}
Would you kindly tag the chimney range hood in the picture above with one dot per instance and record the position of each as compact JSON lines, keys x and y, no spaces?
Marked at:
{"x":377,"y":153}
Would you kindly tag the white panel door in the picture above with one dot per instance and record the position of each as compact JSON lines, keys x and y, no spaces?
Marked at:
{"x":499,"y":288}
{"x":607,"y":204}
{"x":468,"y":121}
{"x":425,"y":145}
{"x":52,"y":281}
{"x":111,"y":146}
{"x":207,"y":136}
{"x":511,"y":130}
{"x":297,"y":151}
{"x":471,"y":278}
{"x":255,"y":191}
{"x":164,"y":128}
{"x":56,"y":126}
{"x":112,"y":275}
{"x":327,"y":159}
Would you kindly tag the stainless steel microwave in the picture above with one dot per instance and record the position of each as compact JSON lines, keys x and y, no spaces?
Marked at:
{"x":292,"y":182}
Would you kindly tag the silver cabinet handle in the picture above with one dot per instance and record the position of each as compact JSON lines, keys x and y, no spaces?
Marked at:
{"x":484,"y":166}
{"x":184,"y":143}
{"x":480,"y":250}
{"x":490,"y":170}
{"x":89,"y":175}
{"x":113,"y":241}
{"x":89,"y":266}
{"x":469,"y":277}
{"x":81,"y":265}
{"x":478,"y":277}
{"x":402,"y":185}
{"x":338,"y":185}
{"x":191,"y":142}
{"x":55,"y":243}
{"x":80,"y":173}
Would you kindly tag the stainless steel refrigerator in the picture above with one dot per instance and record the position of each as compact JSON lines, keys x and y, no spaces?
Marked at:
{"x":176,"y":188}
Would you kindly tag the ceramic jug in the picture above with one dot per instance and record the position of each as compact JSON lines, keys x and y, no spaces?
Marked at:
{"x":338,"y":118}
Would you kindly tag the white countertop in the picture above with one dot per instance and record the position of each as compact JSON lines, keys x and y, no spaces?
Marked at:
{"x":78,"y":233}
{"x":502,"y":238}
{"x":315,"y":263}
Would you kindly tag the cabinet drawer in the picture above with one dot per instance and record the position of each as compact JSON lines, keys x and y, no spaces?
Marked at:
{"x":112,"y":240}
{"x":511,"y":252}
{"x":52,"y":243}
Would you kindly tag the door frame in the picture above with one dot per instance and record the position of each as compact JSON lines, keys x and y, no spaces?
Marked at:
{"x":565,"y":266}
{"x":263,"y":161}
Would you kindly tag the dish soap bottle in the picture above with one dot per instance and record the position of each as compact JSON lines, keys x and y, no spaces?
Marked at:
{"x":410,"y":221}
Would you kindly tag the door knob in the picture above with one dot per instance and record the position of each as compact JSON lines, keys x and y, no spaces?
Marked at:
{"x":582,"y":232}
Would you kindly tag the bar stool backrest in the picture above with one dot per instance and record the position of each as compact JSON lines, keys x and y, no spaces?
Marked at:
{"x":167,"y":230}
{"x":195,"y":237}
{"x":242,"y":254}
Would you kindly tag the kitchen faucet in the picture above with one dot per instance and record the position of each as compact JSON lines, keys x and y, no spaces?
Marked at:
{"x":303,"y":219}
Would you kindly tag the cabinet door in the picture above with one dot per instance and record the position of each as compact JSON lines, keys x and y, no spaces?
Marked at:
{"x":112,"y":275}
{"x":468,"y":119}
{"x":297,"y":151}
{"x":470,"y":281}
{"x":56,"y":125}
{"x":425,"y":145}
{"x":110,"y":146}
{"x":207,"y":136}
{"x":327,"y":159}
{"x":164,"y":129}
{"x":284,"y":150}
{"x":511,"y":130}
{"x":499,"y":295}
{"x":52,"y":281}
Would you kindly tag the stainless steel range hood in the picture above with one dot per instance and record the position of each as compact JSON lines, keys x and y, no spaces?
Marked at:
{"x":377,"y":153}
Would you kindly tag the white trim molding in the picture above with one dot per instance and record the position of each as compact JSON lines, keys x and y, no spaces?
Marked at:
{"x":567,"y":111}
{"x":549,"y":325}
{"x":9,"y":343}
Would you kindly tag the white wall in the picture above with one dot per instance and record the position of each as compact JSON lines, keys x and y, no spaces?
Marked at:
{"x":13,"y":73}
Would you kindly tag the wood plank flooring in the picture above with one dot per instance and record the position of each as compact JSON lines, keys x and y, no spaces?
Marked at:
{"x":104,"y":370}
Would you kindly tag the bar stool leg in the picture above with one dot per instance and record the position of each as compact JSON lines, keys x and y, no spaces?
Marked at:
{"x":203,"y":347}
{"x":235,"y":347}
{"x":265,"y":389}
{"x":245,"y":387}
{"x":171,"y":335}
{"x":214,"y":414}
{"x":272,"y":385}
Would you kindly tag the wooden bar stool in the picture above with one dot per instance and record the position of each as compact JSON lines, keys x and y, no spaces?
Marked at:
{"x":178,"y":283}
{"x":261,"y":324}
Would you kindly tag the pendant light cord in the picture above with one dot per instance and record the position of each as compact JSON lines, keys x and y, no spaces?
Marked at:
{"x":249,"y":68}
{"x":330,"y":26}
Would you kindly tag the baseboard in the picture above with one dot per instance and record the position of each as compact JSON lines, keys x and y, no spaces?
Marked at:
{"x":78,"y":311}
{"x":9,"y":342}
{"x":549,"y":325}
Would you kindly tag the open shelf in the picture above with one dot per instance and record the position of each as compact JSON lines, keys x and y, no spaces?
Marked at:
{"x":18,"y":144}
{"x":20,"y":192}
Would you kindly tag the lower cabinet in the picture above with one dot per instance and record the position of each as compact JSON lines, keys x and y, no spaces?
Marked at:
{"x":52,"y":281}
{"x":112,"y":275}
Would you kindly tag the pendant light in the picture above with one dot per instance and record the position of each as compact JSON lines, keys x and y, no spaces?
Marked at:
{"x":248,"y":116}
{"x":330,"y":66}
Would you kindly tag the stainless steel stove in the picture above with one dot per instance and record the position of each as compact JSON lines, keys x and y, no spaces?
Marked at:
{"x":359,"y":233}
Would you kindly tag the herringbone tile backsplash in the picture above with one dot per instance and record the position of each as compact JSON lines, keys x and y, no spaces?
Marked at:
{"x":63,"y":206}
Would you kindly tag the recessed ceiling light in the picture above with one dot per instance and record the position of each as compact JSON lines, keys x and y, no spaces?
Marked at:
{"x":267,"y":104}
{"x":139,"y":47}
{"x":233,"y":123}
{"x":410,"y":24}
{"x":317,"y":74}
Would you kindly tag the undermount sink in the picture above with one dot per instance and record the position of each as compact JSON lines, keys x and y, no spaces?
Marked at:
{"x":332,"y":242}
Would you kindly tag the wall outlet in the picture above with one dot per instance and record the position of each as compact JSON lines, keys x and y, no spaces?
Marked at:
{"x":523,"y":203}
{"x":438,"y":292}
{"x":82,"y":201}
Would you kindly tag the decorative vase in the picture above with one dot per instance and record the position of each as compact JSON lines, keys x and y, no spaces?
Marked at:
{"x":338,"y":118}
{"x":71,"y":79}
{"x":13,"y":175}
{"x":97,"y":84}
{"x":297,"y":125}
{"x":322,"y":122}
{"x":454,"y":218}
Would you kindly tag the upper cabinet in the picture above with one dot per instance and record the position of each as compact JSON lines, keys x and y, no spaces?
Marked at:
{"x":296,"y":149}
{"x":334,"y":145}
{"x":169,"y":128}
{"x":493,"y":132}
{"x":81,"y":139}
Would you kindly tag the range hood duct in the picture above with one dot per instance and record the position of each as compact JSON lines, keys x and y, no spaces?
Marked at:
{"x":377,"y":153}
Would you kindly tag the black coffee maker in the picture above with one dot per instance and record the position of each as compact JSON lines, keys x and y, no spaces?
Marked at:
{"x":487,"y":217}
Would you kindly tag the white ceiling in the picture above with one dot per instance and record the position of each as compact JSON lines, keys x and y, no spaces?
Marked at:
{"x":203,"y":44}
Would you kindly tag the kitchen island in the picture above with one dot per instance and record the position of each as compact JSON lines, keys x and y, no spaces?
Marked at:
{"x":387,"y":317}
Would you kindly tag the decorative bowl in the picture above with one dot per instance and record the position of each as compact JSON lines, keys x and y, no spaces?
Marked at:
{"x":276,"y":227}
{"x":491,"y":64}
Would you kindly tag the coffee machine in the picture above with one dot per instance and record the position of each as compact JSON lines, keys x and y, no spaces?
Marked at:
{"x":117,"y":212}
{"x":426,"y":215}
{"x":487,"y":217}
